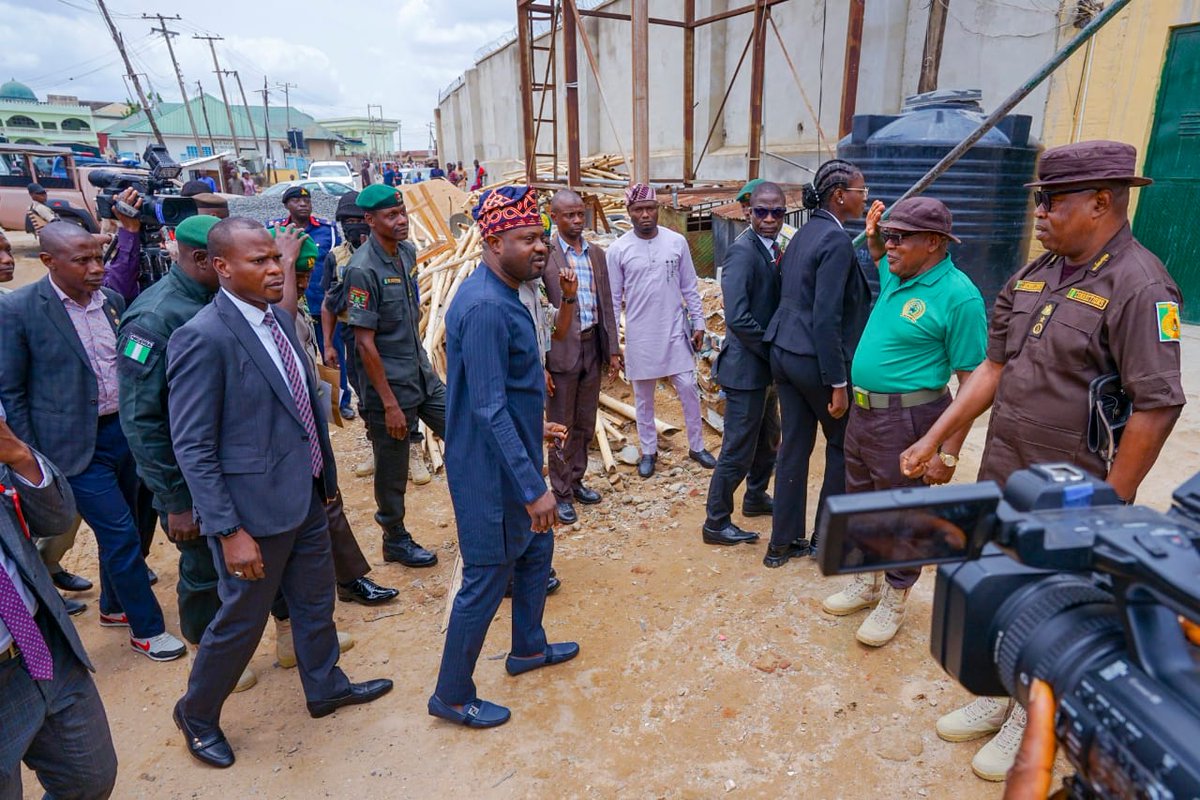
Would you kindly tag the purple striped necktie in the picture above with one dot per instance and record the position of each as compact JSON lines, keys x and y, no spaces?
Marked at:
{"x":24,"y":630}
{"x":299,"y":392}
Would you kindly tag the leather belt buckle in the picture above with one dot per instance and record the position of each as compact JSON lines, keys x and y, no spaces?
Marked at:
{"x":862,"y":398}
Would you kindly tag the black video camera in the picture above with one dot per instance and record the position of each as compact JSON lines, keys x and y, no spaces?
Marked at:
{"x":1055,"y":579}
{"x":162,"y":207}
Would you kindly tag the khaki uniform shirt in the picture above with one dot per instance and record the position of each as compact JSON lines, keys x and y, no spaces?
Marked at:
{"x":1119,"y":314}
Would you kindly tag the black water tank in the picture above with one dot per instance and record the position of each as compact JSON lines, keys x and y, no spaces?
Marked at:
{"x":993,"y":211}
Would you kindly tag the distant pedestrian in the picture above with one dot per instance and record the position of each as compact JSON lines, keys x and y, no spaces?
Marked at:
{"x":249,"y":187}
{"x":480,"y":177}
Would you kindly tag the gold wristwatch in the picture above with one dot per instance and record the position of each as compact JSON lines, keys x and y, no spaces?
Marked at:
{"x":948,"y":459}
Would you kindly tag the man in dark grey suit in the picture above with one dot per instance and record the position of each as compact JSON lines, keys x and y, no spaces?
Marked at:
{"x":243,"y":408}
{"x":51,"y":716}
{"x":750,"y":287}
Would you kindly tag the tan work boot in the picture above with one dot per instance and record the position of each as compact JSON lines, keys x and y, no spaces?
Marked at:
{"x":862,"y":592}
{"x":417,"y":471}
{"x":285,"y":650}
{"x":882,"y":623}
{"x":995,"y":759}
{"x":978,"y":718}
{"x":245,"y":682}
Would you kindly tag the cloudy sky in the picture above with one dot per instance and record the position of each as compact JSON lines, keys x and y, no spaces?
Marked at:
{"x":342,"y":55}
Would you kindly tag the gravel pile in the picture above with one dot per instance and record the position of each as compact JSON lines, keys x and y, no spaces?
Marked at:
{"x":265,"y":209}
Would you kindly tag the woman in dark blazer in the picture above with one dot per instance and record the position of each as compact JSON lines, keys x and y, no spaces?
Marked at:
{"x":823,"y":309}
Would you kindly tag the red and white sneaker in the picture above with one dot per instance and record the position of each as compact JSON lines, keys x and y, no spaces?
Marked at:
{"x":119,"y":620}
{"x":163,"y":647}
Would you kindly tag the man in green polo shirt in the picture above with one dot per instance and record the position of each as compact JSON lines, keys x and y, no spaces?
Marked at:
{"x":928,"y":322}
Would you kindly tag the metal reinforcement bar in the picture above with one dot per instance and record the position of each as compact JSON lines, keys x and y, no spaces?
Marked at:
{"x":1043,"y":72}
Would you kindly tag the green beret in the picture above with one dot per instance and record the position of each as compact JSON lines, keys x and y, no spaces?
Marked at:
{"x":377,"y":197}
{"x":744,"y":195}
{"x":193,"y":231}
{"x":307,"y":260}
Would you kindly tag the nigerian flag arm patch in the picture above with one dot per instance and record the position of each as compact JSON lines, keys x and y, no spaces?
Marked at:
{"x":137,"y":349}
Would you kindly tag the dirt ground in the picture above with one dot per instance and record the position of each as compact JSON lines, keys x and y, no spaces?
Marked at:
{"x":701,"y":673}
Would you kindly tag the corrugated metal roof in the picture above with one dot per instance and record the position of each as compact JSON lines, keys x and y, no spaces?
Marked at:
{"x":172,"y":120}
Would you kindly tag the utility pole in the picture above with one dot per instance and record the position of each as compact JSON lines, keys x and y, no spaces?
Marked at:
{"x":931,"y":57}
{"x":116,"y":35}
{"x":166,"y":34}
{"x":245,"y":106}
{"x":212,"y":40}
{"x":287,"y":102}
{"x":212,"y":144}
{"x":267,"y":128}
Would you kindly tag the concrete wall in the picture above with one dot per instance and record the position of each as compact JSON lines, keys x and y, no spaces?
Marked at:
{"x":988,"y":45}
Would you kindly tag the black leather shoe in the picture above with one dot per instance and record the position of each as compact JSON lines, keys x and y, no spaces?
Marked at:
{"x":778,"y":555}
{"x":70,"y":582}
{"x":646,"y":465}
{"x":365,"y":591}
{"x":761,"y":506}
{"x":589,"y":497}
{"x":74,"y":607}
{"x":566,"y":514}
{"x":358,"y":694}
{"x":703,"y":458}
{"x":401,"y":547}
{"x":211,"y":747}
{"x":730,"y":534}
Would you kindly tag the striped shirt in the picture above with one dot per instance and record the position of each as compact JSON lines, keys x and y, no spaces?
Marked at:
{"x":586,"y":296}
{"x":99,"y":341}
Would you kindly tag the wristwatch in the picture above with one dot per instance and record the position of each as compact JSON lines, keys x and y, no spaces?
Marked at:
{"x":948,"y":459}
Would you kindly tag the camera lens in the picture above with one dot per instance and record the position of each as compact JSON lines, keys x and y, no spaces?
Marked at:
{"x":1054,"y":629}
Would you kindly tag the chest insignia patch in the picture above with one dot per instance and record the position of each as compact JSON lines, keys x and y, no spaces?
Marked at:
{"x":1087,"y":298}
{"x":1168,"y":321}
{"x":913,"y":310}
{"x":137,"y":349}
{"x":1039,"y":325}
{"x":1029,"y":286}
{"x":393,"y":279}
{"x":357,"y":298}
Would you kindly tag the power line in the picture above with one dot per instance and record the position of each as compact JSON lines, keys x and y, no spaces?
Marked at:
{"x":167,"y":34}
{"x":116,"y":35}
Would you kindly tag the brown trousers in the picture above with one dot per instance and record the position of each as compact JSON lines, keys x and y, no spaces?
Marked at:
{"x":574,"y":403}
{"x":875,"y":439}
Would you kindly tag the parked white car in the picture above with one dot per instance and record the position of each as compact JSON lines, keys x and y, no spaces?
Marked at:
{"x":332,"y":171}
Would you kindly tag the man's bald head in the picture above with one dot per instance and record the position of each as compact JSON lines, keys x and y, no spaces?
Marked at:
{"x":74,"y":259}
{"x":563,"y":198}
{"x":222,"y":239}
{"x":767,"y":192}
{"x":59,"y":237}
{"x":566,"y":209}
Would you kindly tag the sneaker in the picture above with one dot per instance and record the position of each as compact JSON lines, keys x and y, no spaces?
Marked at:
{"x":245,"y":682}
{"x":979,"y":718}
{"x":863,"y":592}
{"x":118,"y":620}
{"x":417,"y":471}
{"x":285,"y":649}
{"x":995,"y":759}
{"x":163,"y":647}
{"x":883,"y":622}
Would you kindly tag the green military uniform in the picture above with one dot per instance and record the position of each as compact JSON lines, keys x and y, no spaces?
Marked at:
{"x":142,"y":377}
{"x":381,"y":295}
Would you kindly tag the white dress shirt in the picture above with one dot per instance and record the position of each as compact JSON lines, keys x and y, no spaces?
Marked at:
{"x":256,"y":316}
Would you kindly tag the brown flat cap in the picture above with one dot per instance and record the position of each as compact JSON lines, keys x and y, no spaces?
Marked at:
{"x":924,"y":214}
{"x":1089,"y":162}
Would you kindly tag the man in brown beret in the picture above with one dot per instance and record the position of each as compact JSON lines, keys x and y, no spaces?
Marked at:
{"x":1096,"y":304}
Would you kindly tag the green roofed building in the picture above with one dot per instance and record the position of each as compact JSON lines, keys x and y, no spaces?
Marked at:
{"x":60,"y":122}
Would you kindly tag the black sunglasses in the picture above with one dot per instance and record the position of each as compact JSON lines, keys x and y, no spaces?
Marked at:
{"x":1045,"y":199}
{"x":896,"y":237}
{"x":767,"y":213}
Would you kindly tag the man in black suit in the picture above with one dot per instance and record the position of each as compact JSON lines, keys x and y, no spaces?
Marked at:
{"x":750,"y":287}
{"x":823,"y":307}
{"x":243,"y":408}
{"x":51,"y":716}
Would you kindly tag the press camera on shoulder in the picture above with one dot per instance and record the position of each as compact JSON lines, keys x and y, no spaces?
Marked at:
{"x":1055,"y":578}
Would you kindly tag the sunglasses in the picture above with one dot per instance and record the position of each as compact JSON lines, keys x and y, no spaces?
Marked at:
{"x":896,"y":237}
{"x":1045,"y":199}
{"x":768,"y":213}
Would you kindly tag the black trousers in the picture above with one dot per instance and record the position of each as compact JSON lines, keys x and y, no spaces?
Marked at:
{"x":748,"y":450}
{"x":391,"y":457}
{"x":300,"y":564}
{"x":803,"y":406}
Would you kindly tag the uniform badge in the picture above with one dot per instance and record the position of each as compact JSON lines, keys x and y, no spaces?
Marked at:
{"x":1168,"y":321}
{"x":913,"y":310}
{"x":388,"y":281}
{"x":1087,"y":298}
{"x":1029,"y":286}
{"x":357,"y":298}
{"x":1039,"y":325}
{"x":137,"y":349}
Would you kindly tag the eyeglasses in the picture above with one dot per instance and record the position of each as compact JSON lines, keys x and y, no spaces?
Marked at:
{"x":896,"y":237}
{"x":1045,"y":199}
{"x":866,"y":190}
{"x":768,"y":213}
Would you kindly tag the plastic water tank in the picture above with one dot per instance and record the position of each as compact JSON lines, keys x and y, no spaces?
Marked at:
{"x":993,"y":211}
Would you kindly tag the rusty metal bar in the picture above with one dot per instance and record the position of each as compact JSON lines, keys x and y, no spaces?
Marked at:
{"x":640,"y":169}
{"x":525,"y":45}
{"x":583,"y":12}
{"x":931,"y":57}
{"x":854,"y":29}
{"x":689,"y":92}
{"x":757,"y":65}
{"x":733,"y":12}
{"x":571,"y":80}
